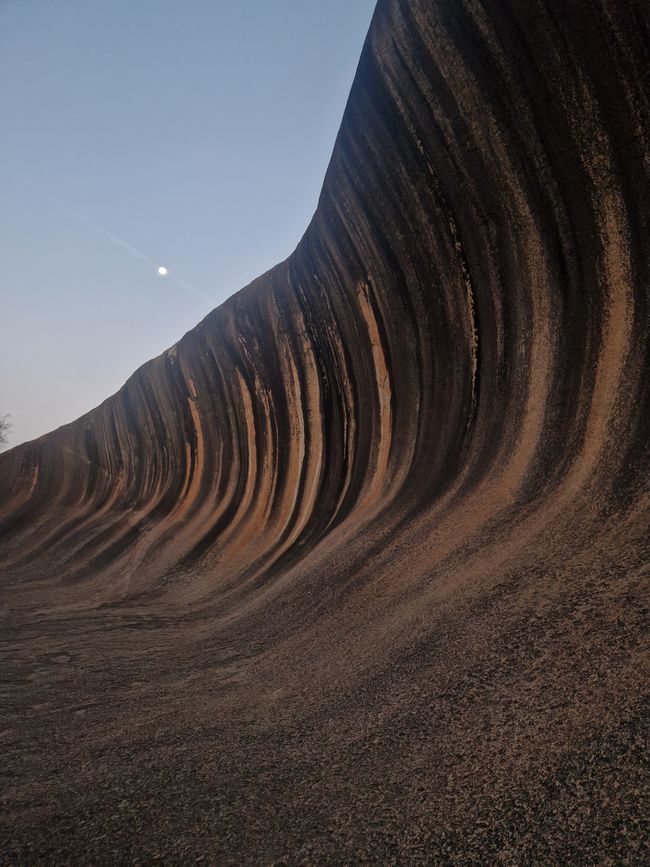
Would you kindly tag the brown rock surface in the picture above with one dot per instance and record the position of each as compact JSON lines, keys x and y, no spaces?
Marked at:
{"x":358,"y":569}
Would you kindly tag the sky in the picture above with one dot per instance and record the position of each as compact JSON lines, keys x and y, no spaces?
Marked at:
{"x":192,"y":134}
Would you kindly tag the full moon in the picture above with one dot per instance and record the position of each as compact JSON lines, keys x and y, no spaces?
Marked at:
{"x":162,"y":271}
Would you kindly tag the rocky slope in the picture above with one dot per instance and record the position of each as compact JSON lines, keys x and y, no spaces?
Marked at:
{"x":358,"y":569}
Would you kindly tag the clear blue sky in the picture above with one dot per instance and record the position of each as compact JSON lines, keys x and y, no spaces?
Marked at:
{"x":189,"y":133}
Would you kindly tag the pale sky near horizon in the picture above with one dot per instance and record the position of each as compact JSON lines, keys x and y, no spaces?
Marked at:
{"x":192,"y":134}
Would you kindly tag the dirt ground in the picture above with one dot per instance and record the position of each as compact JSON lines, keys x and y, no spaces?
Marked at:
{"x":510,"y":727}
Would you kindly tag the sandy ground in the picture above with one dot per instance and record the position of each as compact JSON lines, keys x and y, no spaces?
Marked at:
{"x":510,"y":727}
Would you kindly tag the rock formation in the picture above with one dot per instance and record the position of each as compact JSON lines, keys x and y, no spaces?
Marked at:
{"x":358,"y":568}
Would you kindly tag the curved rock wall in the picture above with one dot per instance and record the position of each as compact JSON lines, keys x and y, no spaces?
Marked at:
{"x":358,"y":569}
{"x":464,"y":325}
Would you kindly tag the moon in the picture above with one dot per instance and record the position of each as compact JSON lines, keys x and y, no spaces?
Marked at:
{"x":162,"y":271}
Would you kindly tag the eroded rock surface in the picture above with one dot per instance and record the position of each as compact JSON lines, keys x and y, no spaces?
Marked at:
{"x":358,"y":569}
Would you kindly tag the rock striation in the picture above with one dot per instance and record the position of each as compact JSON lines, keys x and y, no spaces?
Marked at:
{"x":402,"y":478}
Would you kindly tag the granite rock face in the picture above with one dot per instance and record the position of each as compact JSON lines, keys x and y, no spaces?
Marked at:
{"x":402,"y":477}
